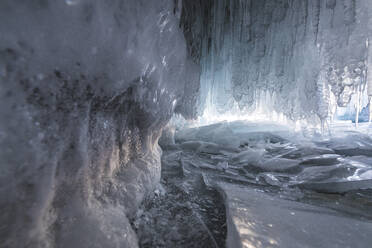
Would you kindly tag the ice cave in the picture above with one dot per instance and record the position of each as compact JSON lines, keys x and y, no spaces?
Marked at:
{"x":185,"y":123}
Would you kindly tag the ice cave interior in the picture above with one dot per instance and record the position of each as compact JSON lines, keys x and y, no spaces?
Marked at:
{"x":185,"y":123}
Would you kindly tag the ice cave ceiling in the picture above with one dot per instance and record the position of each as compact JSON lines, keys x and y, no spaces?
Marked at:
{"x":87,"y":86}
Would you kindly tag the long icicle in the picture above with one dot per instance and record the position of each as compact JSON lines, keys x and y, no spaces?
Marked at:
{"x":369,"y":79}
{"x":357,"y":107}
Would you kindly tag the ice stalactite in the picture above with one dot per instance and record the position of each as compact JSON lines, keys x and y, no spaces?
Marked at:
{"x":369,"y":64}
{"x":310,"y":56}
{"x":369,"y":78}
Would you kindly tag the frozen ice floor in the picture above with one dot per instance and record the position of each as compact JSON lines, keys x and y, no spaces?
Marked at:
{"x":182,"y":212}
{"x":280,"y":188}
{"x":258,"y":219}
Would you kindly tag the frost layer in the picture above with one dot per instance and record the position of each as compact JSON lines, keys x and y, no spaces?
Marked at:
{"x":86,"y":87}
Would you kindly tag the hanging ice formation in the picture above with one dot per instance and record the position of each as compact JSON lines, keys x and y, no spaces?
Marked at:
{"x":304,"y":60}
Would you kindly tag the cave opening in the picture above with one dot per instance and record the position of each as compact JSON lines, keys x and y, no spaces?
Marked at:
{"x":185,"y":123}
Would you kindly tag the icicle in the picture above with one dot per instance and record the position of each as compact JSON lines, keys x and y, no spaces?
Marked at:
{"x":369,"y":80}
{"x":323,"y":126}
{"x":370,"y":108}
{"x":357,"y":107}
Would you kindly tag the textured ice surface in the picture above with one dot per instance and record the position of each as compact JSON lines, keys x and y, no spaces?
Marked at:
{"x":258,"y":219}
{"x":85,"y":87}
{"x":277,"y":182}
{"x":303,"y":59}
{"x":185,"y":214}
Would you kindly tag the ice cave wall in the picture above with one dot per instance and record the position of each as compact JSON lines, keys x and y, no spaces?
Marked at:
{"x":299,"y":58}
{"x":86,"y":87}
